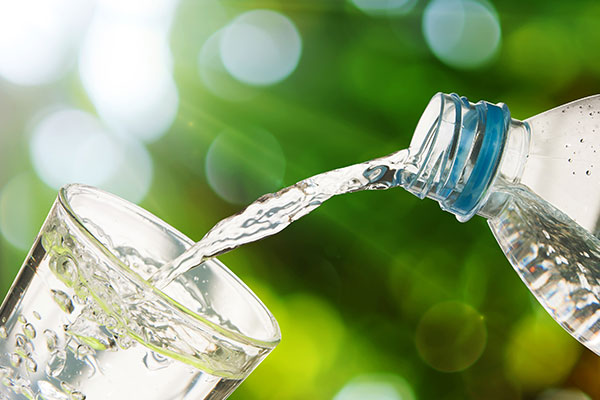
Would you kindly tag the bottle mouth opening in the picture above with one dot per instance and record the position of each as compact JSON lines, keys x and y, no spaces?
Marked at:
{"x":428,"y":125}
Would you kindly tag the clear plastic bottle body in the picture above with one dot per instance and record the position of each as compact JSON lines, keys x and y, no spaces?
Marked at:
{"x":563,"y":160}
{"x":541,"y":198}
{"x":557,"y":259}
{"x":548,"y":223}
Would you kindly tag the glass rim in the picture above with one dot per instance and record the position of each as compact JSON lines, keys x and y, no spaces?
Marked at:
{"x":273,"y":329}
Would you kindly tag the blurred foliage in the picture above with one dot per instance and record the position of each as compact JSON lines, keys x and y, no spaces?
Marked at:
{"x":353,"y":283}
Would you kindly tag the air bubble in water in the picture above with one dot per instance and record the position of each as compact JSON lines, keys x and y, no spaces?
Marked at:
{"x":588,"y":172}
{"x":20,"y":340}
{"x":15,"y":360}
{"x":77,"y":396}
{"x":124,"y":342}
{"x":4,"y":372}
{"x":83,"y":351}
{"x":110,"y":322}
{"x":63,"y":300}
{"x":67,"y":388}
{"x":29,"y":331}
{"x":154,"y":361}
{"x":8,"y":382}
{"x":30,"y":364}
{"x":6,"y":376}
{"x":27,"y":392}
{"x":56,"y":363}
{"x":23,"y":346}
{"x":51,"y":339}
{"x":49,"y":391}
{"x":65,"y":269}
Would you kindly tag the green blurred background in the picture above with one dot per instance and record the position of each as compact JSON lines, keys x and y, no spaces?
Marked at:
{"x":193,"y":108}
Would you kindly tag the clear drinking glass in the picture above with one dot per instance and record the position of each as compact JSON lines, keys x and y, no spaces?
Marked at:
{"x":81,"y":322}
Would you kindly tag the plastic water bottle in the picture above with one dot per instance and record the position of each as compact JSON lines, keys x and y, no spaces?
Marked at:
{"x":536,"y":181}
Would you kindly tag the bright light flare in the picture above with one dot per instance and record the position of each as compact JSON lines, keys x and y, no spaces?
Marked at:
{"x":126,"y":69}
{"x":39,"y":38}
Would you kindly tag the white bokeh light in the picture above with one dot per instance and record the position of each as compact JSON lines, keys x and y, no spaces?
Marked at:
{"x":126,"y":68}
{"x":376,"y":387}
{"x":462,"y":33}
{"x":215,"y":77}
{"x":385,"y":7}
{"x":159,"y":13}
{"x":39,"y":38}
{"x":72,"y":146}
{"x":261,"y":47}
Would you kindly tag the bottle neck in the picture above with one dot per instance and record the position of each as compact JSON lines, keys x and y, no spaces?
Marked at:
{"x":461,"y":151}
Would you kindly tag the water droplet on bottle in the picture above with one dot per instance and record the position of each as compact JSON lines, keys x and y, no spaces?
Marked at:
{"x":37,"y":315}
{"x":22,"y":319}
{"x":581,"y":140}
{"x":570,"y":160}
{"x":63,"y":300}
{"x":29,"y":331}
{"x":3,"y":333}
{"x":56,"y":363}
{"x":588,"y":172}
